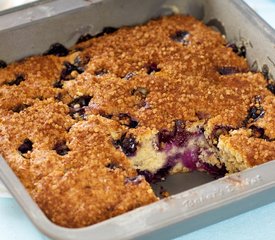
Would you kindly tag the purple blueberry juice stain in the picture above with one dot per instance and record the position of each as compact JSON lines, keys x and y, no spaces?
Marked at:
{"x":190,"y":158}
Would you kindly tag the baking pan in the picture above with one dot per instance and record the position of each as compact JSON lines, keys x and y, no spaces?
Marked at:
{"x":31,"y":30}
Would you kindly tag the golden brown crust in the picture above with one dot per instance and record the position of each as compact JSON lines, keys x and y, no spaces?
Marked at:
{"x":74,"y":109}
{"x":240,"y":150}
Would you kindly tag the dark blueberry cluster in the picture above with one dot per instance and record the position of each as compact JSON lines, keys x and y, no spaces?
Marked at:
{"x":228,"y":70}
{"x":255,"y":112}
{"x":240,"y":51}
{"x":3,"y":64}
{"x":61,"y":148}
{"x":18,"y":79}
{"x":69,"y":68}
{"x":77,"y":106}
{"x":83,"y":38}
{"x":57,"y":49}
{"x":128,"y":145}
{"x":25,"y":146}
{"x":180,"y":36}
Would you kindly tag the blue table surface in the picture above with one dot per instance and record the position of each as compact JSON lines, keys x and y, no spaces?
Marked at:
{"x":256,"y":224}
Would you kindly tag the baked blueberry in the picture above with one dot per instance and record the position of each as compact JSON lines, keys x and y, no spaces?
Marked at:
{"x":77,"y":106}
{"x":112,"y":166}
{"x":58,"y":84}
{"x":66,"y":73}
{"x":228,"y":70}
{"x":57,"y":49}
{"x":25,"y":146}
{"x":20,"y":107}
{"x":127,"y":144}
{"x":152,"y":68}
{"x":127,"y":120}
{"x":18,"y":79}
{"x":240,"y":51}
{"x":180,"y":36}
{"x":2,"y":64}
{"x":61,"y":148}
{"x":84,"y":38}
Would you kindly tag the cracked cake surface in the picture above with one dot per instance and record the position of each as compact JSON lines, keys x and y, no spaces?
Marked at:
{"x":86,"y":129}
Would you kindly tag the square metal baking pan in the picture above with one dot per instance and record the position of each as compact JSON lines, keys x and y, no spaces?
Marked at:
{"x":32,"y":30}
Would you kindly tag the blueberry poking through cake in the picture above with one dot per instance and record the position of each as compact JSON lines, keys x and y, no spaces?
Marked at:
{"x":152,"y":68}
{"x":70,"y":71}
{"x":57,"y":49}
{"x":255,"y":112}
{"x":128,"y":144}
{"x":84,"y":38}
{"x":2,"y":64}
{"x":228,"y":70}
{"x":127,"y":120}
{"x":26,"y":146}
{"x":240,"y":51}
{"x":180,"y":37}
{"x":18,"y":79}
{"x":61,"y":148}
{"x":77,"y":106}
{"x":20,"y":107}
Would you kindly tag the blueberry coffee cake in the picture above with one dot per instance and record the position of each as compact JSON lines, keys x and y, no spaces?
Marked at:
{"x":86,"y":129}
